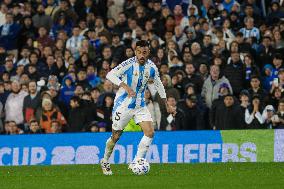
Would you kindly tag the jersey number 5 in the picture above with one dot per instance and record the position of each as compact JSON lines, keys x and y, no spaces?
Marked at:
{"x":117,"y":116}
{"x":139,"y":84}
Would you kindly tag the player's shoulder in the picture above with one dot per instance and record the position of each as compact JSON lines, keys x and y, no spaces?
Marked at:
{"x":151,"y":64}
{"x":128,"y":62}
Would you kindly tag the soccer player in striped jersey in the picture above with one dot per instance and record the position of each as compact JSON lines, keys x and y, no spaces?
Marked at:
{"x":132,"y":77}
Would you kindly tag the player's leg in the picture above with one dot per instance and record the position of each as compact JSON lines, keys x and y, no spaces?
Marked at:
{"x":110,"y":143}
{"x":120,"y":119}
{"x":144,"y":119}
{"x":146,"y":140}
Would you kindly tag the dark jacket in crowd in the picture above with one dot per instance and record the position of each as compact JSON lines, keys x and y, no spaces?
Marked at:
{"x":178,"y":122}
{"x":227,"y":118}
{"x":199,"y":59}
{"x":30,"y":106}
{"x":263,"y":95}
{"x":193,"y":118}
{"x":77,"y":119}
{"x":194,"y":79}
{"x":235,"y":73}
{"x":10,"y":40}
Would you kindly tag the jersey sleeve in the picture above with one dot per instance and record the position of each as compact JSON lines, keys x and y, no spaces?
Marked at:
{"x":158,"y":83}
{"x":116,"y":73}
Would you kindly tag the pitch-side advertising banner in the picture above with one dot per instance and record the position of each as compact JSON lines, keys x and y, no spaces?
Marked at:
{"x":167,"y":147}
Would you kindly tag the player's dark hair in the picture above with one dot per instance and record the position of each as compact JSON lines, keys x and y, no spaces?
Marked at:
{"x":142,"y":43}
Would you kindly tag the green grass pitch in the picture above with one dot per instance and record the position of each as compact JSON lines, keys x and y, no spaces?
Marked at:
{"x":172,"y":176}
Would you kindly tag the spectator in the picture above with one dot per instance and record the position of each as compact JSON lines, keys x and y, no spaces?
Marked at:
{"x":176,"y":65}
{"x":3,"y":12}
{"x":95,"y":94}
{"x":192,"y":77}
{"x":48,"y":67}
{"x":268,"y":77}
{"x":278,"y":118}
{"x":249,"y":30}
{"x":89,"y":6}
{"x":50,"y":113}
{"x":14,"y":104}
{"x":67,"y":90}
{"x":105,"y":112}
{"x":107,"y":88}
{"x":276,"y":13}
{"x":251,"y":69}
{"x":53,"y":82}
{"x":253,"y":116}
{"x":266,"y":51}
{"x":117,"y":47}
{"x":179,"y":37}
{"x":224,"y":90}
{"x":235,"y":72}
{"x":7,"y":128}
{"x":197,"y":56}
{"x":74,"y":43}
{"x":65,"y":11}
{"x":82,"y":80}
{"x":51,"y":8}
{"x":267,"y":115}
{"x":171,"y":122}
{"x":41,"y":19}
{"x":228,"y":115}
{"x":210,"y":89}
{"x":277,"y":64}
{"x":90,"y":106}
{"x":92,"y":76}
{"x":34,"y":127}
{"x":257,"y":90}
{"x":228,"y":34}
{"x":60,"y":27}
{"x":77,"y":118}
{"x":207,"y":45}
{"x":14,"y":128}
{"x":9,"y":33}
{"x":27,"y":31}
{"x":31,"y":102}
{"x":278,"y":40}
{"x":43,"y":37}
{"x":79,"y":90}
{"x":193,"y":115}
{"x":56,"y":126}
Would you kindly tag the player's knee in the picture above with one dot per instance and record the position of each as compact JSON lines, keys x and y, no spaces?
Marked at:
{"x":149,"y":133}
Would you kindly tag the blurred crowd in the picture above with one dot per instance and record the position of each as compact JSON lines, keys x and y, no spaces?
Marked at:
{"x":220,"y":61}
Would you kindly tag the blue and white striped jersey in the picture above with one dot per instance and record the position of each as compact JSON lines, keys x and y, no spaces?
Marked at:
{"x":136,"y":76}
{"x":254,"y":32}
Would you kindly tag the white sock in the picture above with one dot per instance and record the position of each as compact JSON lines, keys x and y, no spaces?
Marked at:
{"x":143,"y":146}
{"x":109,"y":148}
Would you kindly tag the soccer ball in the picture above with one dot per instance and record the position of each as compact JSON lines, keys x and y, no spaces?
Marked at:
{"x":141,"y":167}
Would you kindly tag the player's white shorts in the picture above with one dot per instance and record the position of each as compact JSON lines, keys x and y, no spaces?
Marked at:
{"x":122,"y":116}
